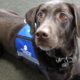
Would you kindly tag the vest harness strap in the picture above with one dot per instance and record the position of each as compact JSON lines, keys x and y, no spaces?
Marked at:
{"x":23,"y":44}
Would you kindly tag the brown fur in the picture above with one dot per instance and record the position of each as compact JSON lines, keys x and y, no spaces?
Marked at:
{"x":59,"y":40}
{"x":9,"y":24}
{"x":62,"y":22}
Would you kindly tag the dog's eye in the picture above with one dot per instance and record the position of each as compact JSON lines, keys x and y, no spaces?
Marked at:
{"x":62,"y":16}
{"x":41,"y":15}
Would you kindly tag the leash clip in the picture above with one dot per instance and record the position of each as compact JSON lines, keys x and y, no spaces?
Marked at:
{"x":66,"y":61}
{"x":58,"y":60}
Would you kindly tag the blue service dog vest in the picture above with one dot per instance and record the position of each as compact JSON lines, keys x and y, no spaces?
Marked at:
{"x":24,"y":47}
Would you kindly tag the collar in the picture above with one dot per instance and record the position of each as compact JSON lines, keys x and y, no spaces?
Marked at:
{"x":24,"y":46}
{"x":64,"y":63}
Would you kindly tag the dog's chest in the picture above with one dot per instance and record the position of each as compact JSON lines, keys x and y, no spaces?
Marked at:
{"x":23,"y":44}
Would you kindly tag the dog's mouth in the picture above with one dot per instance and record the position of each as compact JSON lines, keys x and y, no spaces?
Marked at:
{"x":50,"y":51}
{"x":46,"y":46}
{"x":43,"y":45}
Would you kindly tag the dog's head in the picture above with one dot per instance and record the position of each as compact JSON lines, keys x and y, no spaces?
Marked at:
{"x":56,"y":23}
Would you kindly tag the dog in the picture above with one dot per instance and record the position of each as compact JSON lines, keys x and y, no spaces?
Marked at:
{"x":54,"y":28}
{"x":55,"y":38}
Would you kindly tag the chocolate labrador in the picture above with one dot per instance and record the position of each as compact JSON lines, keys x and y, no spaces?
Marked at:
{"x":54,"y":28}
{"x":55,"y":38}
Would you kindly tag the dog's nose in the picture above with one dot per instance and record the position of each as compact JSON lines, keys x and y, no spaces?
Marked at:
{"x":42,"y":34}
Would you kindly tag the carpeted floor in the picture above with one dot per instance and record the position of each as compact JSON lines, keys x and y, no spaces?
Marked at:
{"x":10,"y":67}
{"x":13,"y":69}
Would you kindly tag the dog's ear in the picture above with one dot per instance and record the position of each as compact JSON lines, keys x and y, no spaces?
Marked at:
{"x":31,"y":16}
{"x":76,"y":14}
{"x":77,"y":19}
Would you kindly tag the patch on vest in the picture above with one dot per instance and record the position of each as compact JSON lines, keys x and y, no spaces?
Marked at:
{"x":24,"y":45}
